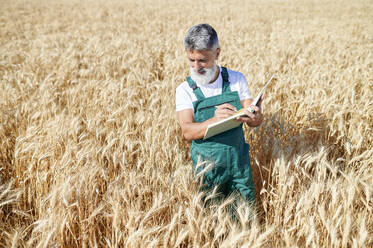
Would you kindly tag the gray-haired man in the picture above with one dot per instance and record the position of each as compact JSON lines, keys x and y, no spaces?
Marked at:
{"x":210,"y":94}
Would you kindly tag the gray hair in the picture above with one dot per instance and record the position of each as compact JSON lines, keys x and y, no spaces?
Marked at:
{"x":201,"y":37}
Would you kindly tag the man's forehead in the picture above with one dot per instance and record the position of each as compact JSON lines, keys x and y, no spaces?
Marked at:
{"x":199,"y":53}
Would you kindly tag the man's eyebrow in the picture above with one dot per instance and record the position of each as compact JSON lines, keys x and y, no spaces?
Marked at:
{"x":197,"y":59}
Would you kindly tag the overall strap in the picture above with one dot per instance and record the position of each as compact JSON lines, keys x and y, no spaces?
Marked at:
{"x":224,"y":74}
{"x":196,"y":90}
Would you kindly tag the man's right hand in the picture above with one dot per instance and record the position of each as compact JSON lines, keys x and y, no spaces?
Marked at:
{"x":223,"y":111}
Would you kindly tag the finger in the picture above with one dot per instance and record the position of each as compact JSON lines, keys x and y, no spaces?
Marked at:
{"x":252,"y":109}
{"x":259,"y":117}
{"x":255,"y":108}
{"x":242,"y":119}
{"x":226,"y":106}
{"x":261,"y":100}
{"x":249,"y":114}
{"x":224,"y":113}
{"x":228,"y":112}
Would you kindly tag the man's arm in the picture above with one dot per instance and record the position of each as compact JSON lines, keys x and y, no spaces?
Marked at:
{"x":193,"y":130}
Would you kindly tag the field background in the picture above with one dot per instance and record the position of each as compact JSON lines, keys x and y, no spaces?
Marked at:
{"x":91,"y":154}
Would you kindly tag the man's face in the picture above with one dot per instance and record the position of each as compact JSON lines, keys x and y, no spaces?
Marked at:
{"x":203,"y":68}
{"x":201,"y":60}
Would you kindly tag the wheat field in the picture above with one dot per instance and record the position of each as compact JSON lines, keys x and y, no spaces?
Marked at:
{"x":91,"y":154}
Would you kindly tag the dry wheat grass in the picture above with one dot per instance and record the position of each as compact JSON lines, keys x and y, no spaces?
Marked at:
{"x":91,"y":154}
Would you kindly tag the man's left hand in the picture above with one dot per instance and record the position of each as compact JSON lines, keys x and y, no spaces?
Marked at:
{"x":252,"y":119}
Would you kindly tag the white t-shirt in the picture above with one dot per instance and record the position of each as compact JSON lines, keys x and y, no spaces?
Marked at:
{"x":237,"y":82}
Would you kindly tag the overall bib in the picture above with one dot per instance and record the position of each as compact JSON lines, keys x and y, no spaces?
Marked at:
{"x":228,"y":152}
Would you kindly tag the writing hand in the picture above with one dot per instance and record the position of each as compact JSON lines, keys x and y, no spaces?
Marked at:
{"x":224,"y":111}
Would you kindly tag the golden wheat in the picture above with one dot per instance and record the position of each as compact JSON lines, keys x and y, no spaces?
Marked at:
{"x":91,"y":154}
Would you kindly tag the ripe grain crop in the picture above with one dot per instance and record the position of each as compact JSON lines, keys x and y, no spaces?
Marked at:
{"x":91,"y":154}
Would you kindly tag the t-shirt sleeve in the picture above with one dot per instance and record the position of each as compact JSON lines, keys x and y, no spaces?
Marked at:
{"x":244,"y":88}
{"x":183,"y":99}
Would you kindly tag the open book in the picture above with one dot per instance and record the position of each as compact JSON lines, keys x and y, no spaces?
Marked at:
{"x":229,"y":123}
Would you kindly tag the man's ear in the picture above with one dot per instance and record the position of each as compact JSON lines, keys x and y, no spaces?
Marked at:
{"x":217,"y":52}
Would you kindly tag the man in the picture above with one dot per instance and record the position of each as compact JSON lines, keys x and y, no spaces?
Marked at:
{"x":210,"y":94}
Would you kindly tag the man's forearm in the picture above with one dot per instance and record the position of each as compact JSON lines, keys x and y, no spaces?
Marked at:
{"x":196,"y":130}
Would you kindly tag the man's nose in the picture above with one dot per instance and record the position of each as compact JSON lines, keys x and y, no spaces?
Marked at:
{"x":197,"y":66}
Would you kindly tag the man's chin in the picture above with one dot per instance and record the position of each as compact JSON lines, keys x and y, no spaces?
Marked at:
{"x":203,"y":78}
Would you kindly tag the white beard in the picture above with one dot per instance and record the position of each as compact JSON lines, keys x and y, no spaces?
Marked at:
{"x":205,"y":78}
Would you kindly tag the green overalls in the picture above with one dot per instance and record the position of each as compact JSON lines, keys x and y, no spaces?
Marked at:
{"x":227,"y":151}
